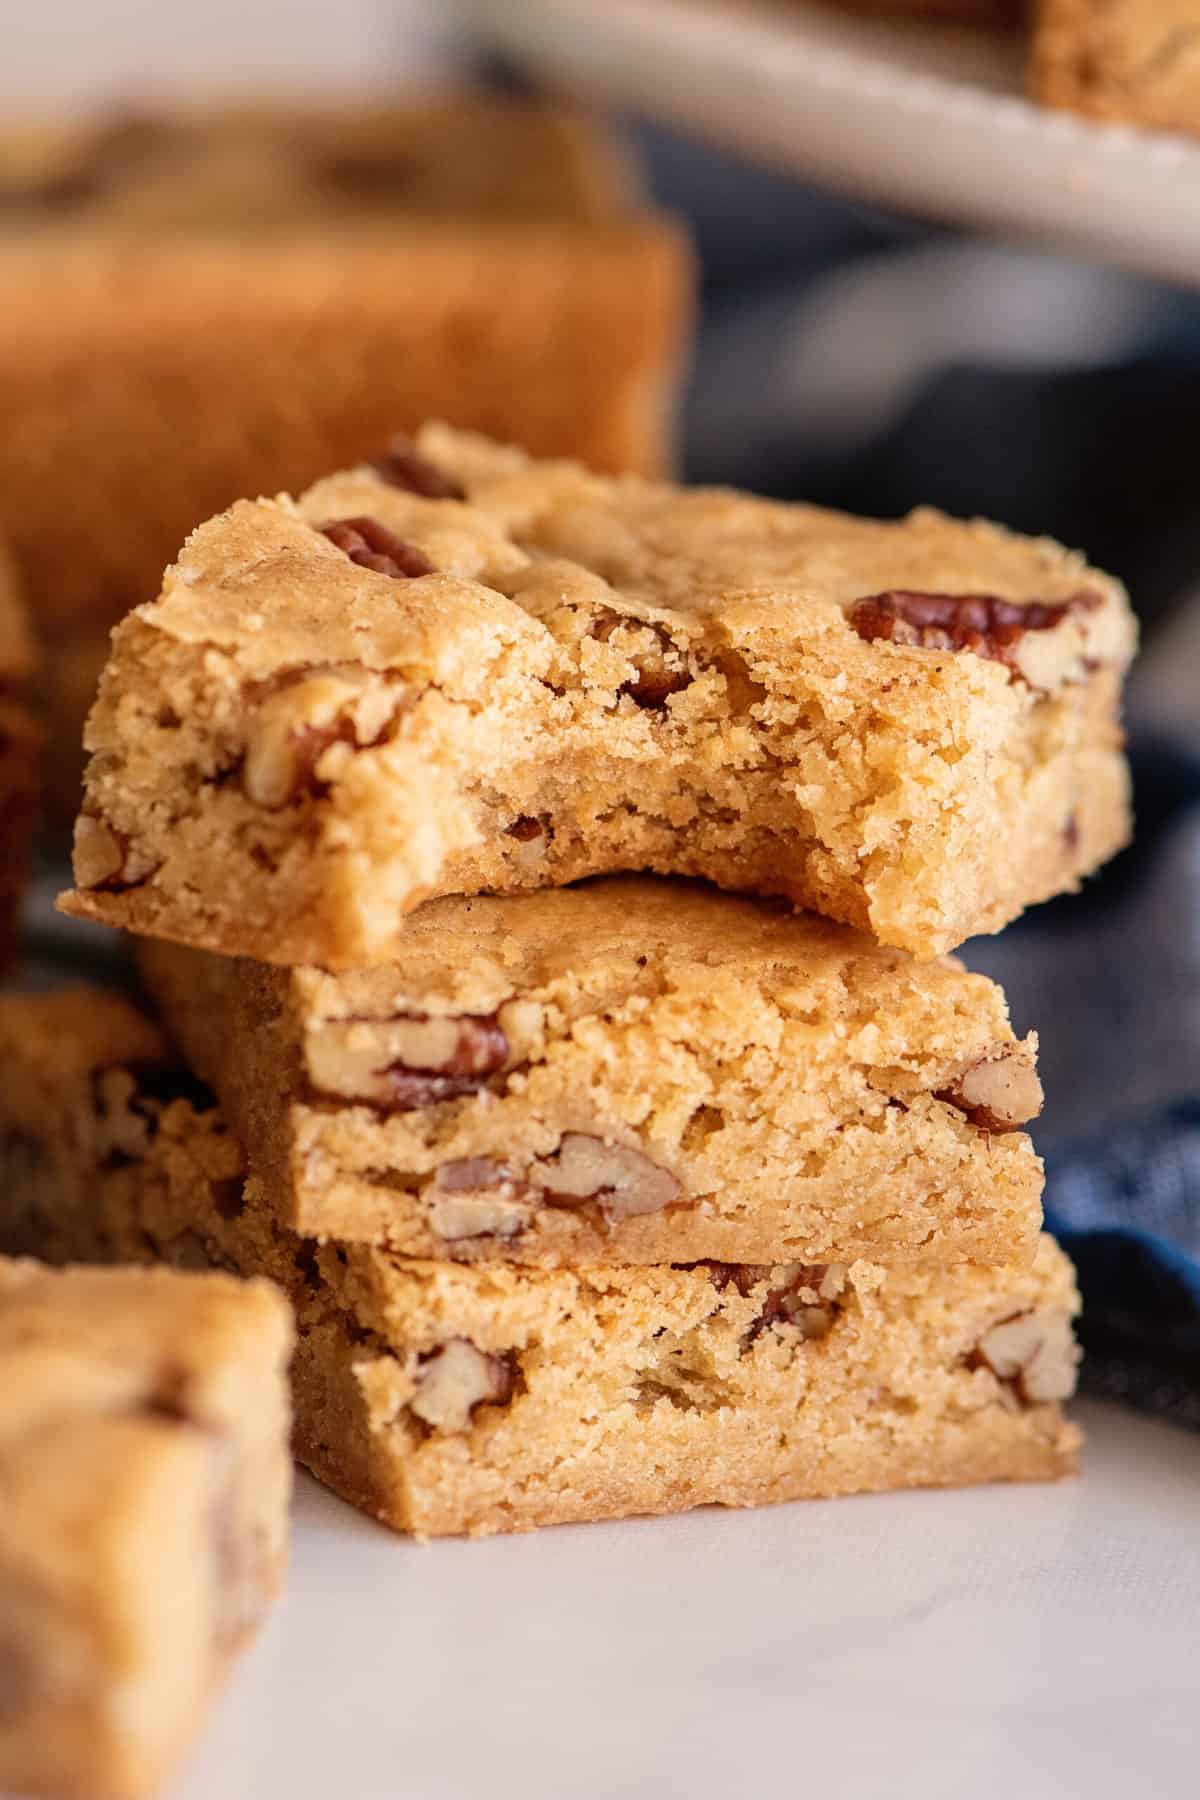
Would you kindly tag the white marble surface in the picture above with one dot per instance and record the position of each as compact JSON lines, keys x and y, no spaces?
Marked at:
{"x":1002,"y":1644}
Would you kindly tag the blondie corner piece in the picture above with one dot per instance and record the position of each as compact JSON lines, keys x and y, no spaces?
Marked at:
{"x":633,"y":1070}
{"x":464,"y":671}
{"x":1129,"y":61}
{"x":144,"y":1482}
{"x":449,"y":1399}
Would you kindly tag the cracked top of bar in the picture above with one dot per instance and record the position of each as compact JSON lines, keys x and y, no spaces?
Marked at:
{"x":465,"y":671}
{"x":629,"y":1070}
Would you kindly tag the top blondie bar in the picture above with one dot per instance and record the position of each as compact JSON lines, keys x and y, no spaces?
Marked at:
{"x":462,"y":670}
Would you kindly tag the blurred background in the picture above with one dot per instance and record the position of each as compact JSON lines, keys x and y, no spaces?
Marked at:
{"x":873,"y":361}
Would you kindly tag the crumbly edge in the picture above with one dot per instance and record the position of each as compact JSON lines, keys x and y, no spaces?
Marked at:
{"x":740,"y":1117}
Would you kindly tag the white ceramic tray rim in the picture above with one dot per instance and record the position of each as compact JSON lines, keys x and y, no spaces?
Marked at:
{"x":932,"y":121}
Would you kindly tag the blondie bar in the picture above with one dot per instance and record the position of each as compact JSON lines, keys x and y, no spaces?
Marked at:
{"x":445,"y":1398}
{"x":20,"y":753}
{"x":629,"y":1071}
{"x":464,"y":670}
{"x":1137,"y":61}
{"x":144,"y":1480}
{"x":297,"y":283}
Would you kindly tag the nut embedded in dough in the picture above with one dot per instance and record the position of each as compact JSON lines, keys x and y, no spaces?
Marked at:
{"x":1036,"y":1352}
{"x":625,"y":1181}
{"x":1001,"y":1092}
{"x":456,"y":1379}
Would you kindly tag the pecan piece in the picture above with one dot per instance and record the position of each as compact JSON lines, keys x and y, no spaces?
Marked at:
{"x":998,"y":1093}
{"x":453,"y":1380}
{"x":526,"y":830}
{"x":625,"y":1182}
{"x":476,"y":1197}
{"x":1035,"y":1353}
{"x":105,"y":859}
{"x":301,"y":717}
{"x":532,"y":837}
{"x":372,"y":546}
{"x":402,"y":1063}
{"x":653,"y":687}
{"x":403,"y":466}
{"x":801,"y":1294}
{"x":982,"y":623}
{"x":99,"y":853}
{"x":660,"y":669}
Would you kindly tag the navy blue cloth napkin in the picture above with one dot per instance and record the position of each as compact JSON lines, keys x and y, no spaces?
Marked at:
{"x":1111,"y":981}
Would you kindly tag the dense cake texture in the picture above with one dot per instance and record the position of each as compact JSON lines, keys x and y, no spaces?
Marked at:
{"x":1136,"y":61}
{"x":333,"y":274}
{"x":629,"y":1071}
{"x":464,"y":670}
{"x":20,"y":756}
{"x":444,"y":1398}
{"x":144,"y":1482}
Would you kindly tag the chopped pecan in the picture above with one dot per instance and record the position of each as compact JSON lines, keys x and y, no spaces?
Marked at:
{"x":1035,"y":1353}
{"x":625,"y":1182}
{"x":104,"y":858}
{"x":801,"y":1294}
{"x":477,"y":1197}
{"x":525,"y":829}
{"x":372,"y":546}
{"x":982,"y":623}
{"x":409,"y":1061}
{"x":998,"y":1093}
{"x":301,"y":716}
{"x":456,"y":1378}
{"x":123,"y":1128}
{"x":661,"y":670}
{"x":532,"y":837}
{"x":99,"y":853}
{"x":654,"y":687}
{"x":403,"y":466}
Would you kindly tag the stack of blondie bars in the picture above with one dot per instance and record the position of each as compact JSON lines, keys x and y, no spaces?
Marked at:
{"x":465,"y":809}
